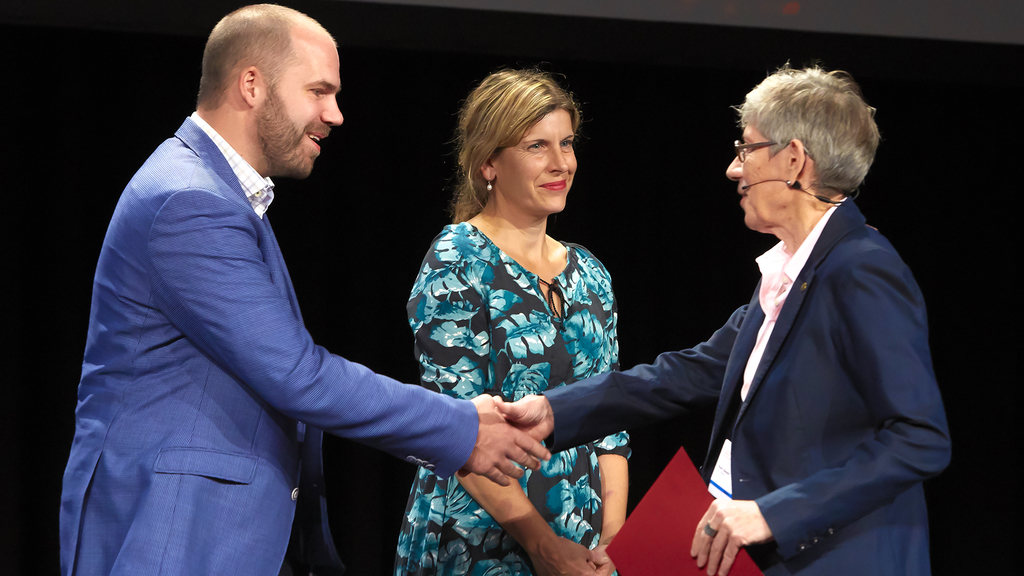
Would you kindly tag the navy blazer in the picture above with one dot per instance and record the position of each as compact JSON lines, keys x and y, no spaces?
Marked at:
{"x":190,"y":448}
{"x":843,"y":420}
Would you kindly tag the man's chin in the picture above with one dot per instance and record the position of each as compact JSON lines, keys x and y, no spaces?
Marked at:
{"x":296,"y":172}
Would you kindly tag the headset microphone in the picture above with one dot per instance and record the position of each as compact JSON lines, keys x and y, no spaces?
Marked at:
{"x":788,"y":183}
{"x":795,"y":186}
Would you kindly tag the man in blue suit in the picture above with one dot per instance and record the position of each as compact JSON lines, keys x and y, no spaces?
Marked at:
{"x":828,"y":414}
{"x":203,"y":397}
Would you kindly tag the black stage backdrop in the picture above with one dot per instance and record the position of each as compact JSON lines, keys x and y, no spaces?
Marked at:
{"x":88,"y":93}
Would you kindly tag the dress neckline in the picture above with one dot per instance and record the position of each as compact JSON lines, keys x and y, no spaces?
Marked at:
{"x":555,"y":286}
{"x":508,"y":259}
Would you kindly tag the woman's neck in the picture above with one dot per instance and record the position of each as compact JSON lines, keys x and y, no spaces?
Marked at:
{"x":526,"y":242}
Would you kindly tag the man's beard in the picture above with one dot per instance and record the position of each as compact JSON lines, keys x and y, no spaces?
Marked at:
{"x":281,"y":141}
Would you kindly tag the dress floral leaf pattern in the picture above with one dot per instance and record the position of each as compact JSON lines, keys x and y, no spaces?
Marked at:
{"x":527,"y":335}
{"x":463,"y":378}
{"x":482,"y":326}
{"x":560,"y":464}
{"x":524,"y":380}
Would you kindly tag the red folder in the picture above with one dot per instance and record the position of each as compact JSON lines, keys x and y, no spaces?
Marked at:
{"x":656,"y":537}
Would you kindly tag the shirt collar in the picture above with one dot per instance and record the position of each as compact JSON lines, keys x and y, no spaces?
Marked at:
{"x":779,"y":259}
{"x":779,"y":268}
{"x":258,"y":190}
{"x":796,"y":263}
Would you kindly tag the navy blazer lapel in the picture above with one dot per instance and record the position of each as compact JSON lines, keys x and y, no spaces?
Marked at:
{"x":794,"y":300}
{"x":847,"y":217}
{"x":843,"y":220}
{"x":741,"y":349}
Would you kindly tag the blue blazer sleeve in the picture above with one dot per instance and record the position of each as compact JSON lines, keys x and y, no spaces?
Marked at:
{"x":212,"y":280}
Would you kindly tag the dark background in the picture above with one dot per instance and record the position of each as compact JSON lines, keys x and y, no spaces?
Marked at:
{"x":90,"y":90}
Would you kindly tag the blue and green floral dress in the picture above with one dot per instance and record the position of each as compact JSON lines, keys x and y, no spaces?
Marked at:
{"x":482,"y":326}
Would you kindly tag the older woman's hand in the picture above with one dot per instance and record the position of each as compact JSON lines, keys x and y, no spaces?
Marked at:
{"x":736,"y":523}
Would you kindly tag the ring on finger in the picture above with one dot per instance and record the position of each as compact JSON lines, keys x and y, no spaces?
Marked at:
{"x":709,"y":530}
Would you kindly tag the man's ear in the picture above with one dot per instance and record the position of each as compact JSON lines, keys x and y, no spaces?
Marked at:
{"x":252,"y":86}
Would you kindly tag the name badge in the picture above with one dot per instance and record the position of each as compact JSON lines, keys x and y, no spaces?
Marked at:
{"x":721,"y":479}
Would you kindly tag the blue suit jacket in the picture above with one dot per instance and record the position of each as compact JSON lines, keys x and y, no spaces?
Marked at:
{"x":197,"y":377}
{"x":842,"y":422}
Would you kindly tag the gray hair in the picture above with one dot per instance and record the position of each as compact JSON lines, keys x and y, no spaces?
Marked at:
{"x":826,"y":112}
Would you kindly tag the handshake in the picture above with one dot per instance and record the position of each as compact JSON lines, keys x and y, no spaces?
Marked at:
{"x":509,"y":433}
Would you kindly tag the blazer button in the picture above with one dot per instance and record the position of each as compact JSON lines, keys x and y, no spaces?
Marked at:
{"x":295,"y":494}
{"x":830,"y":531}
{"x":814,"y":540}
{"x":418,"y":462}
{"x":802,"y":547}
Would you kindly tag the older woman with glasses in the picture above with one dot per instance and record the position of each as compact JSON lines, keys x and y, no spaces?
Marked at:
{"x":828,"y":415}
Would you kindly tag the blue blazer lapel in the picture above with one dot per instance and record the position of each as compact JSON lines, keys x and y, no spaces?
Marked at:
{"x":278,"y":269}
{"x":193,"y":136}
{"x":197,"y":141}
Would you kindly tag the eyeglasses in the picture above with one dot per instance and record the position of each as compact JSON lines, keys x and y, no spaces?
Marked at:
{"x":743,"y":149}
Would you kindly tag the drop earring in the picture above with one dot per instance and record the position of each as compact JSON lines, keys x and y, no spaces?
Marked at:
{"x":489,"y":186}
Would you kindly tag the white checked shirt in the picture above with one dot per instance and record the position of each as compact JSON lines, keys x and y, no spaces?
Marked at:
{"x":259,"y":190}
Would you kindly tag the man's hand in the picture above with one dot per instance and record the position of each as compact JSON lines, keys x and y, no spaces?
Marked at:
{"x":739,"y":523}
{"x":532,"y":414}
{"x":498,"y":444}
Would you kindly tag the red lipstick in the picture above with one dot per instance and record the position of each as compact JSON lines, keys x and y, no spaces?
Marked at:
{"x":555,"y":186}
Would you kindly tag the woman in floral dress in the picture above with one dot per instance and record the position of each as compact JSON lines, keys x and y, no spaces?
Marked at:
{"x":501,"y":308}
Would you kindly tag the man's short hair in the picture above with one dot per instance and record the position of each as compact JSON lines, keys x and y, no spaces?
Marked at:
{"x":258,"y":35}
{"x":826,"y":112}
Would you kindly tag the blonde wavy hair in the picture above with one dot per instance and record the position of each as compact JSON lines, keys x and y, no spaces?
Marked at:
{"x":496,"y":115}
